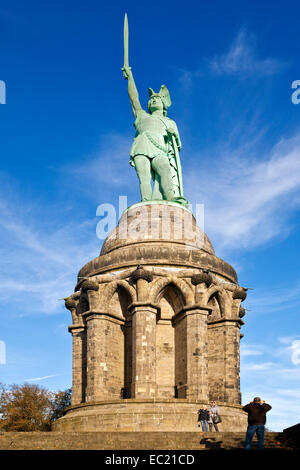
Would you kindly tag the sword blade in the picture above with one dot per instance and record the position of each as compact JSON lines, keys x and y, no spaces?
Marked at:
{"x":126,"y":36}
{"x":179,"y":171}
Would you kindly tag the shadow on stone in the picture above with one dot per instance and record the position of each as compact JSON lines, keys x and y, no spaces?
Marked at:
{"x":211,"y":443}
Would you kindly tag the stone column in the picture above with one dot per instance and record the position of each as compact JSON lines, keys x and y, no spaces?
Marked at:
{"x":141,"y":277}
{"x":105,"y":357}
{"x":143,"y":350}
{"x":79,"y":364}
{"x":193,"y":326}
{"x":224,"y":360}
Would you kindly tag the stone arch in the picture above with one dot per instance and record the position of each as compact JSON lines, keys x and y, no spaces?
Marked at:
{"x":216,"y":312}
{"x":117,"y":287}
{"x":117,"y":296}
{"x":159,"y":285}
{"x":83,"y":304}
{"x":168,"y":295}
{"x":219,"y":294}
{"x":171,"y":295}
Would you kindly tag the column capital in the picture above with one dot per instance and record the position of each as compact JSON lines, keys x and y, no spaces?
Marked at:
{"x":76,"y":329}
{"x":200,"y":308}
{"x":195,"y":309}
{"x":228,"y":320}
{"x":139,"y":305}
{"x":91,"y":314}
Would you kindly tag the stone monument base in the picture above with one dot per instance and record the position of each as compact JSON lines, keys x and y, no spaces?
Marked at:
{"x":136,"y":415}
{"x":156,"y":329}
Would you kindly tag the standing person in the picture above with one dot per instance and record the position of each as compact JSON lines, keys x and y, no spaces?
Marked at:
{"x":203,"y":417}
{"x":214,"y":416}
{"x":257,"y":411}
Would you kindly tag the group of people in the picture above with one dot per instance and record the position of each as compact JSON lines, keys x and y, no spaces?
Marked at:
{"x":209,"y":416}
{"x":256,"y":410}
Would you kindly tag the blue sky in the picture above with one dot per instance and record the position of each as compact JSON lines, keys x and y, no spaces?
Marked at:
{"x":65,"y":136}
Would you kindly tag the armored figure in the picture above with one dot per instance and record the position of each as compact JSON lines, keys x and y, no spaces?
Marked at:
{"x":155,"y":150}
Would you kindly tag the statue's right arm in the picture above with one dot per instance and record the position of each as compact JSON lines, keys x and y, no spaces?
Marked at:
{"x":132,"y":91}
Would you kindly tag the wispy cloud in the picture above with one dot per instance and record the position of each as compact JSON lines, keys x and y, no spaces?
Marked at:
{"x":242,"y":59}
{"x":291,"y":349}
{"x":295,"y":347}
{"x":40,"y":256}
{"x":250,"y":351}
{"x":248,"y":201}
{"x":274,"y":299}
{"x":106,"y":170}
{"x":262,"y":366}
{"x":37,"y":379}
{"x":291,"y":393}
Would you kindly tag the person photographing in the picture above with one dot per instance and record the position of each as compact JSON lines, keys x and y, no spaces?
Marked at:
{"x":257,"y":410}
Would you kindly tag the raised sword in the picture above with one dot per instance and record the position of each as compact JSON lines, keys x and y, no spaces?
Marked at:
{"x":126,"y":37}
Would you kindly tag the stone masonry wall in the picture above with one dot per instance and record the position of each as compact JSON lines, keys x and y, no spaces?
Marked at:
{"x":165,"y":359}
{"x":223,"y":362}
{"x":105,"y":358}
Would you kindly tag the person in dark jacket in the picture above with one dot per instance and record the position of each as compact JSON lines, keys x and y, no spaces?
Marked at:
{"x":257,"y":411}
{"x":203,"y":417}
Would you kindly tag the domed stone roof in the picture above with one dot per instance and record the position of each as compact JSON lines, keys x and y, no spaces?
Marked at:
{"x":157,"y":224}
{"x":163,"y":235}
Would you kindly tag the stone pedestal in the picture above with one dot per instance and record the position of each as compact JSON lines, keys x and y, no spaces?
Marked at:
{"x":135,"y":415}
{"x":156,"y":329}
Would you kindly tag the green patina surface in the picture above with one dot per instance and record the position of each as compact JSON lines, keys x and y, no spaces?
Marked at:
{"x":156,"y":146}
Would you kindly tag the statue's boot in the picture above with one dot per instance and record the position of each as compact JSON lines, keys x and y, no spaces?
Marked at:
{"x":170,"y":195}
{"x":146,"y":191}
